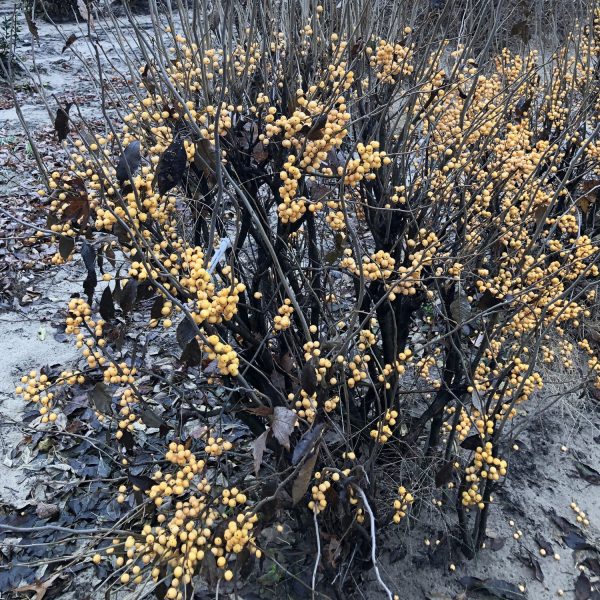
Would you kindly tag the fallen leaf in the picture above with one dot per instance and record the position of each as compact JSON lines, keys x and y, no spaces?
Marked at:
{"x":45,"y":510}
{"x":497,"y":588}
{"x":588,"y":473}
{"x":39,"y":587}
{"x":545,"y":544}
{"x":576,"y":541}
{"x":583,"y":587}
{"x":531,"y":562}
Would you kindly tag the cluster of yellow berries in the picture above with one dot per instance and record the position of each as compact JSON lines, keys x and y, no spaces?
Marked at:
{"x":402,"y":504}
{"x":189,"y":528}
{"x":306,"y":406}
{"x":484,"y":466}
{"x":331,"y":404}
{"x":227,"y":358}
{"x":383,"y":432}
{"x":398,"y":367}
{"x":282,"y":321}
{"x":581,"y":516}
{"x":35,"y":388}
{"x":392,"y":60}
{"x":370,"y":158}
{"x":78,"y":318}
{"x":324,"y":482}
{"x":217,"y":446}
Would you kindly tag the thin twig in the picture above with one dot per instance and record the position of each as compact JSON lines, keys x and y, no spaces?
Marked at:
{"x":363,"y":497}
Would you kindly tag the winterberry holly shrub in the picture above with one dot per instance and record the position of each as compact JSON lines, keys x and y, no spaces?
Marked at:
{"x":365,"y":246}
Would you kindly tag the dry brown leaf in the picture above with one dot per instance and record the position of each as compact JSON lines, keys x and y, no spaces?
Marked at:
{"x":282,"y":425}
{"x":39,"y":587}
{"x":260,"y":411}
{"x":303,"y":478}
{"x":258,"y":449}
{"x":70,"y":40}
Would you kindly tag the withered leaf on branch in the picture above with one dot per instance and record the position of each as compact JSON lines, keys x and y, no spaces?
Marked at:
{"x":157,"y":305}
{"x":61,"y":122}
{"x":307,"y":443}
{"x":31,"y":25}
{"x":460,"y":308}
{"x":186,"y":332}
{"x":282,"y":425}
{"x":65,"y":246}
{"x":444,"y":475}
{"x":128,"y":295}
{"x":129,"y":161}
{"x":258,"y":449}
{"x":472,"y":442}
{"x":77,"y":209}
{"x":143,"y":482}
{"x":69,"y":42}
{"x":107,"y":305}
{"x":171,"y":166}
{"x":303,"y":478}
{"x":89,"y":285}
{"x":88,"y":253}
{"x":204,"y":158}
{"x":192,"y":354}
{"x":308,"y":379}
